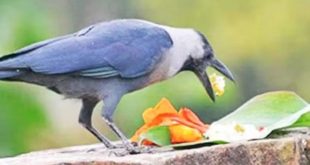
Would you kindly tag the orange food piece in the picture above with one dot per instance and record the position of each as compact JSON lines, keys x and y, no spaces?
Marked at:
{"x":201,"y":129}
{"x":162,"y":119}
{"x":190,"y":116}
{"x":147,"y":143}
{"x":180,"y":134}
{"x":184,"y":126}
{"x":168,"y":119}
{"x":164,"y":106}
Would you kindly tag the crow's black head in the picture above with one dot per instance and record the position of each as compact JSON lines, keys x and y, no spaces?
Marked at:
{"x":199,"y":66}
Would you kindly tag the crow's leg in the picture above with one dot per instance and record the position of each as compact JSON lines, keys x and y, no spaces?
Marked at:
{"x":110,"y":104}
{"x":85,"y":120}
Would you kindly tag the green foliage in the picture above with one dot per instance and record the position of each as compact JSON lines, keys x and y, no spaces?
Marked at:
{"x":21,"y":120}
{"x":21,"y":116}
{"x":28,"y":27}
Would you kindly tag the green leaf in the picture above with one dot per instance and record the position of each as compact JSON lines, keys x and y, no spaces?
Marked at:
{"x":159,"y":135}
{"x":266,"y":109}
{"x":272,"y":111}
{"x":303,"y":121}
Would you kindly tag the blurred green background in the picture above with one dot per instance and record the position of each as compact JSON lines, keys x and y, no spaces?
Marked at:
{"x":265,"y":44}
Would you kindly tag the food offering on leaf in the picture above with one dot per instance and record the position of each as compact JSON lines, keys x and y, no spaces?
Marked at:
{"x":233,"y":131}
{"x":164,"y":125}
{"x":178,"y":126}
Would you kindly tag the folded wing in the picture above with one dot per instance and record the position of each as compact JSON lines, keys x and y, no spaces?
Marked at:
{"x":126,"y":48}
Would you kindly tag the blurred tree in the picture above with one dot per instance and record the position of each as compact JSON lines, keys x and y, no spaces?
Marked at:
{"x":21,"y":115}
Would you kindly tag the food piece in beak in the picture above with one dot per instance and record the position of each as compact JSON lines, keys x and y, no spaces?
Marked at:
{"x":204,"y":78}
{"x":218,"y":84}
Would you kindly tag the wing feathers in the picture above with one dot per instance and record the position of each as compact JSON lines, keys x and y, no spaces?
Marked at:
{"x":99,"y":72}
{"x":126,"y":48}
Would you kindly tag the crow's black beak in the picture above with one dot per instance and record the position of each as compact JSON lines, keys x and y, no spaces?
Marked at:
{"x":219,"y":66}
{"x":204,"y":78}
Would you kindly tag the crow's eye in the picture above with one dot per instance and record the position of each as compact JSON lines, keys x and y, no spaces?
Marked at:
{"x":208,"y":54}
{"x":207,"y":57}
